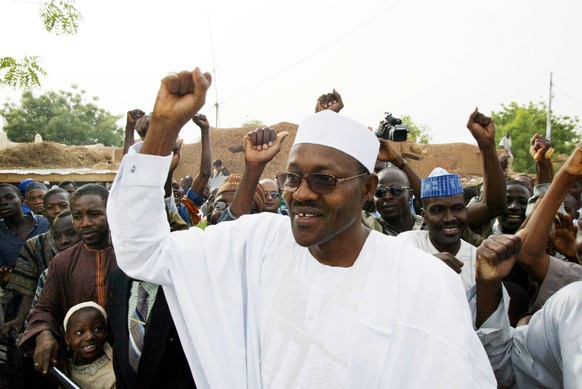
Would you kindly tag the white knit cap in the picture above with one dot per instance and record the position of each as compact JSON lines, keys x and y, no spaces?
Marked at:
{"x":86,"y":304}
{"x":331,"y":129}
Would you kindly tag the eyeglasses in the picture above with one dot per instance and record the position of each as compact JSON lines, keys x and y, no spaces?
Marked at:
{"x":395,"y":190}
{"x":219,"y":206}
{"x":274,"y":194}
{"x":319,"y":183}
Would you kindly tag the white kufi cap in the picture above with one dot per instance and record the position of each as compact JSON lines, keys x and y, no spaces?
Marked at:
{"x":331,"y":129}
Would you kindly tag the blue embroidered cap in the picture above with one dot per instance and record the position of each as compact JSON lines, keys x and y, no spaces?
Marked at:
{"x":440,"y":183}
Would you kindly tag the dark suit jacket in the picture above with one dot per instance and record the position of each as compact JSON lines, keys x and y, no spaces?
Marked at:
{"x":163,"y":363}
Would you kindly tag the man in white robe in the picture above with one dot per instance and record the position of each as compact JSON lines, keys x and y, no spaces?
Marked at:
{"x":314,"y":300}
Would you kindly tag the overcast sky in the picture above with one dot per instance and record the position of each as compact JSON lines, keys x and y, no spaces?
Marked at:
{"x":432,"y":60}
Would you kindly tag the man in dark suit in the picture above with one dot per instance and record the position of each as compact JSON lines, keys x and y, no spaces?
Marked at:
{"x":162,"y":362}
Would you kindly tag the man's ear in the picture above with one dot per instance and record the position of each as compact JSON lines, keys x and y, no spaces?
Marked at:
{"x":370,"y":186}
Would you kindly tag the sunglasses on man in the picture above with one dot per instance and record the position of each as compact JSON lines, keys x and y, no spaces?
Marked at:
{"x":274,"y":194}
{"x":395,"y":190}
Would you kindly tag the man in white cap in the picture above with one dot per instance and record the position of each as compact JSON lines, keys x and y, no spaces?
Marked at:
{"x":316,"y":300}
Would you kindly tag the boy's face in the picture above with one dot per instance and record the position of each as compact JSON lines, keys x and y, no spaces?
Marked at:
{"x":86,"y":334}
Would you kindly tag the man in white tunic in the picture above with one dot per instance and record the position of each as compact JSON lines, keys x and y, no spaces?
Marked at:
{"x":316,"y":300}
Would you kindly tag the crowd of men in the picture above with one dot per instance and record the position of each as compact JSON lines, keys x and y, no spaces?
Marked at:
{"x":346,"y":270}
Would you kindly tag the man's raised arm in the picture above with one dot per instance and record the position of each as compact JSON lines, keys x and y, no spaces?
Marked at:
{"x":137,"y":219}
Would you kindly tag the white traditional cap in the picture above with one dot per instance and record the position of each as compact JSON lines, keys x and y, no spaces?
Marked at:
{"x":331,"y":129}
{"x":440,"y":183}
{"x":86,"y":304}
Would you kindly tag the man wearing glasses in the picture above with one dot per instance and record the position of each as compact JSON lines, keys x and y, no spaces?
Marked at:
{"x":272,"y":199}
{"x":316,"y":300}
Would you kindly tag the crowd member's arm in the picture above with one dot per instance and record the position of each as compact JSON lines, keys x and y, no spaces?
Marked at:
{"x":539,"y":150}
{"x":173,"y":165}
{"x":14,"y":326}
{"x":387,"y":153}
{"x":494,"y":190}
{"x":533,"y":257}
{"x":260,"y":147}
{"x":132,"y":117}
{"x":201,"y":180}
{"x":42,"y":334}
{"x":563,"y":237}
{"x":332,"y":101}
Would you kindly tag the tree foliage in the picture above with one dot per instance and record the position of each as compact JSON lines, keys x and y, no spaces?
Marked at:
{"x":524,"y":121}
{"x":66,"y":117}
{"x":255,"y":123}
{"x":419,"y":133}
{"x":24,"y":73}
{"x":59,"y":17}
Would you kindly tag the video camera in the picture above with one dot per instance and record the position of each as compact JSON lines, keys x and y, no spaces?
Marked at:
{"x":392,"y":128}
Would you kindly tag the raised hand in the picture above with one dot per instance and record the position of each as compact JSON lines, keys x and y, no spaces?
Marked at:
{"x":386,"y":153}
{"x":262,"y":144}
{"x":180,"y":97}
{"x":482,"y":128}
{"x":496,"y":257}
{"x":201,"y":121}
{"x":132,"y":116}
{"x":332,"y":101}
{"x":540,"y":147}
{"x":563,"y":238}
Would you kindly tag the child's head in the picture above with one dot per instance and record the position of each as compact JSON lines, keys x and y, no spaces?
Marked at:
{"x":86,"y":331}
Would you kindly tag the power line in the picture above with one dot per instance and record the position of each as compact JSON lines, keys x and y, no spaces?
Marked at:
{"x":568,"y":96}
{"x":321,"y":50}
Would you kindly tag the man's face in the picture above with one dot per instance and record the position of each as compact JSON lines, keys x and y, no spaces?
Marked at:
{"x":90,"y":221}
{"x":272,"y":198}
{"x":445,"y":218}
{"x":64,"y":234}
{"x":86,"y":334}
{"x":514,"y":213}
{"x":324,"y":220}
{"x":392,"y":206}
{"x":69,"y":188}
{"x":35,"y":200}
{"x":220,"y":203}
{"x":571,"y":206}
{"x":176,"y":192}
{"x":10,"y":202}
{"x":55,"y":204}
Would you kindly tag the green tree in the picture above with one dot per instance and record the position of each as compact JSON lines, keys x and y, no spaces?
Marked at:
{"x":255,"y":123}
{"x":66,"y":117}
{"x":59,"y":17}
{"x":524,"y":121}
{"x":419,"y":133}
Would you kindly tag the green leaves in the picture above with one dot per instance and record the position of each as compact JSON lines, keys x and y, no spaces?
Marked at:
{"x":524,"y":121}
{"x":68,"y":117}
{"x":60,"y":17}
{"x":24,"y":73}
{"x":417,"y":132}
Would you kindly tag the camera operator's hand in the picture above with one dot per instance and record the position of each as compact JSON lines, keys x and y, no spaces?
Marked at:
{"x":332,"y":101}
{"x":387,"y":153}
{"x":482,"y":128}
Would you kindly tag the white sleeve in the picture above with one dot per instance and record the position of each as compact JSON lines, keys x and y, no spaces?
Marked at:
{"x":136,"y":216}
{"x":496,"y":335}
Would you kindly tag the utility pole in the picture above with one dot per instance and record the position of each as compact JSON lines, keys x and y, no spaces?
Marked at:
{"x":549,"y":120}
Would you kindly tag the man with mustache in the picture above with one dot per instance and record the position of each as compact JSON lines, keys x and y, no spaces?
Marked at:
{"x":445,"y":216}
{"x":313,"y":300}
